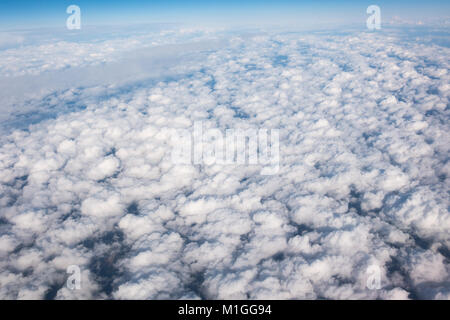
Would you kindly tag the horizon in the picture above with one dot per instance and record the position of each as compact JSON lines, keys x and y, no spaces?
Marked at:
{"x":305,"y":14}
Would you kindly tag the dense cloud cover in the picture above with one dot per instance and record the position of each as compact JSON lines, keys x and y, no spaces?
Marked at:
{"x":363,"y":122}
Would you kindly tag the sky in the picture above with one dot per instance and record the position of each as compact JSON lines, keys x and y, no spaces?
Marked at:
{"x":91,"y":124}
{"x":35,"y":14}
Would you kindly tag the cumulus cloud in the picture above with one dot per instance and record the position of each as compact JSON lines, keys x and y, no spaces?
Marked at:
{"x":362,"y":179}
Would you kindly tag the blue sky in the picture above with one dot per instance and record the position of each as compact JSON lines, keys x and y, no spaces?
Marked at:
{"x":34,"y":14}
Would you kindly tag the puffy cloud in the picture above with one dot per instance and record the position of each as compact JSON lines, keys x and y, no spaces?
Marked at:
{"x":362,"y":179}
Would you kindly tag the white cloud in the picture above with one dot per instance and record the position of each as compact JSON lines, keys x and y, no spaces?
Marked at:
{"x":363,"y":174}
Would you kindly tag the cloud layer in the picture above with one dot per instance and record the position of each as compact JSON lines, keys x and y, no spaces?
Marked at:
{"x":363,"y":178}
